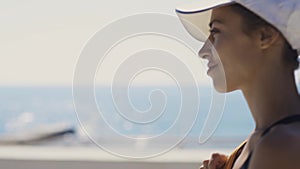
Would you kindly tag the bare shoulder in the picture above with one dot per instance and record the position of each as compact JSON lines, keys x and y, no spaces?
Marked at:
{"x":280,"y":148}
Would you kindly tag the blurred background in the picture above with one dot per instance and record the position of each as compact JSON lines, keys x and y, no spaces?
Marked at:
{"x":39,"y":46}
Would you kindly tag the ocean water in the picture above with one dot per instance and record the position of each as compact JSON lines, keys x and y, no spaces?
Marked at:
{"x":26,"y":108}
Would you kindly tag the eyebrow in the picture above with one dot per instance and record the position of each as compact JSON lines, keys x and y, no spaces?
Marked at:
{"x":215,"y":20}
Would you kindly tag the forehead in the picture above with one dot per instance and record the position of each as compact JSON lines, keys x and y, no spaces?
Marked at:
{"x":226,"y":16}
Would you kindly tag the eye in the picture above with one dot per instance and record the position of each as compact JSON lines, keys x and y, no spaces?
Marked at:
{"x":213,"y":31}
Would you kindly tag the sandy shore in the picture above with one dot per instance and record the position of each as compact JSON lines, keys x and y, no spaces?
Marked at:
{"x":38,"y":157}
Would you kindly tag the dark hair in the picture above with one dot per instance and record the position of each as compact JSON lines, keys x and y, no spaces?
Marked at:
{"x":253,"y":22}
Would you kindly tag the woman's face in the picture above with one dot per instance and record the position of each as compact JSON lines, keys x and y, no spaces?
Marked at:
{"x":232,"y":54}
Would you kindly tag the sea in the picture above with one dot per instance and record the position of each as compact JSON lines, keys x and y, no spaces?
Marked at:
{"x":26,"y":108}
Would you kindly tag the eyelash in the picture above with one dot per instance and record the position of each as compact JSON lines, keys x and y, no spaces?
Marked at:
{"x":214,"y":31}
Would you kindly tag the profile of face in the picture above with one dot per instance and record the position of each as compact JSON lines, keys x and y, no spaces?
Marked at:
{"x":233,"y":55}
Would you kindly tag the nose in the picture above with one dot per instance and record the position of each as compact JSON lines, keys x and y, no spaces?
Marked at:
{"x":205,"y":50}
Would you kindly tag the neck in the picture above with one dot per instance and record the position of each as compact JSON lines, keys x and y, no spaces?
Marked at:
{"x":271,"y":97}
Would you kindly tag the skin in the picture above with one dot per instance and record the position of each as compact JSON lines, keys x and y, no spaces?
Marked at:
{"x":254,"y":64}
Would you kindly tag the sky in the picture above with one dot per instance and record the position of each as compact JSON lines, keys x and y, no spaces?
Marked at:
{"x":41,"y":40}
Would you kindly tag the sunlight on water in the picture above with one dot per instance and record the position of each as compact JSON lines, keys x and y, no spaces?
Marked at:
{"x":30,"y":107}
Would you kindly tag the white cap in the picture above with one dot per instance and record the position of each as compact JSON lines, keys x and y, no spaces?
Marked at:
{"x":282,"y":14}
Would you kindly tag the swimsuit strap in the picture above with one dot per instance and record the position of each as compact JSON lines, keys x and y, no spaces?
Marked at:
{"x":287,"y":120}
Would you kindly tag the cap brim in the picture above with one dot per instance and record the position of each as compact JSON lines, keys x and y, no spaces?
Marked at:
{"x":195,"y":17}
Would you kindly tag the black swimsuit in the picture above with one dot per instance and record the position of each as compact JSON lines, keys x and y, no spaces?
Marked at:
{"x":287,"y":120}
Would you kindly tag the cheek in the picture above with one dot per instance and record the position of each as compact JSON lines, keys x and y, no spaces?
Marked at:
{"x":235,"y":52}
{"x":236,"y":58}
{"x":226,"y":51}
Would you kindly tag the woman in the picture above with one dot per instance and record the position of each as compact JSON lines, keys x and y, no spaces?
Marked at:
{"x":257,"y":43}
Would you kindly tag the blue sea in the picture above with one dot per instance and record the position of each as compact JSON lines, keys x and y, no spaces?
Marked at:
{"x":26,"y":108}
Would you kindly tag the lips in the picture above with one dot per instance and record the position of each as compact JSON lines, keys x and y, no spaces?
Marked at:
{"x":211,"y":65}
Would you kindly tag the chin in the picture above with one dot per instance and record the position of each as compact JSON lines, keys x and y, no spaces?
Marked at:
{"x":219,"y":81}
{"x":220,"y":88}
{"x":223,"y":87}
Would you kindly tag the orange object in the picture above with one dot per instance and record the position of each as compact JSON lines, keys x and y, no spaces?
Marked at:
{"x":234,"y":155}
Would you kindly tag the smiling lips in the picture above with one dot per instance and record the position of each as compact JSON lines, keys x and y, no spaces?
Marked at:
{"x":211,"y":64}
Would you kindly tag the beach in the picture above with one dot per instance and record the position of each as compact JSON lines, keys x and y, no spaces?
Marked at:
{"x":37,"y":157}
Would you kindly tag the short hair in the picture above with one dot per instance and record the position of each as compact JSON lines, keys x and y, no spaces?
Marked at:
{"x":252,"y":22}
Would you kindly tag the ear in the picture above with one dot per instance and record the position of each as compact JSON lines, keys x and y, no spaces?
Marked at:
{"x":268,"y":36}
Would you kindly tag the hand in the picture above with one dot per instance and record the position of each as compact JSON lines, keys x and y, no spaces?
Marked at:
{"x":217,"y":161}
